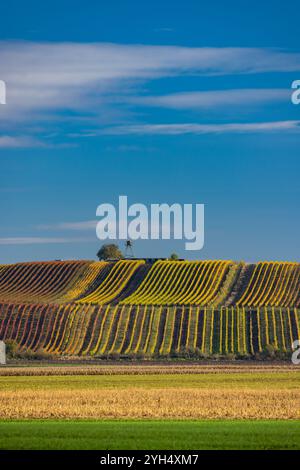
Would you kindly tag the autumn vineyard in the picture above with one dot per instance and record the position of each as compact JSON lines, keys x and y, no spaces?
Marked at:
{"x":150,"y":309}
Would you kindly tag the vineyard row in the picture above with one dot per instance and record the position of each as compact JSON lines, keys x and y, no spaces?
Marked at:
{"x":150,"y":331}
{"x":162,"y":283}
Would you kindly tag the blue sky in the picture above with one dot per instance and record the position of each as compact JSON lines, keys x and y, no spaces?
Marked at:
{"x":176,"y":101}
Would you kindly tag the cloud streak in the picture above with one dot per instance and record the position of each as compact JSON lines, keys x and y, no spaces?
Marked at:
{"x":86,"y":82}
{"x":77,"y":226}
{"x":41,"y":240}
{"x":215,"y":98}
{"x":53,"y":76}
{"x":7,"y":141}
{"x":191,"y":128}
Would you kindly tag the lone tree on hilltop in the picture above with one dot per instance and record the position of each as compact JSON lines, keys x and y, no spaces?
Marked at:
{"x":109,"y":251}
{"x":174,"y":256}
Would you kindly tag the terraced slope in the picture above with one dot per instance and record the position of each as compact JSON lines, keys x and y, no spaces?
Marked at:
{"x":186,"y":283}
{"x":39,"y":282}
{"x":113,"y":284}
{"x":134,"y":282}
{"x":89,"y":277}
{"x":272,"y":284}
{"x":148,"y":331}
{"x":166,"y":308}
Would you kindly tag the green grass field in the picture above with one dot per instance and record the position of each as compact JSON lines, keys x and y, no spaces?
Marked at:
{"x":147,"y":435}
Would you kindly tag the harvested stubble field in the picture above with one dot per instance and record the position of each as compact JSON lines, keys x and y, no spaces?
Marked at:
{"x":132,"y":403}
{"x":200,"y":392}
{"x":141,"y":368}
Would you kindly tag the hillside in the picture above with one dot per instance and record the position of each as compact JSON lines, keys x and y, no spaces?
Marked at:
{"x":134,"y":308}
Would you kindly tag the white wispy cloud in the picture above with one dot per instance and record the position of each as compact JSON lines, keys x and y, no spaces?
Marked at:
{"x":89,"y":80}
{"x":90,"y":225}
{"x":55,"y":76}
{"x":215,"y":98}
{"x":7,"y":141}
{"x":81,"y":225}
{"x":191,"y":128}
{"x":40,"y":240}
